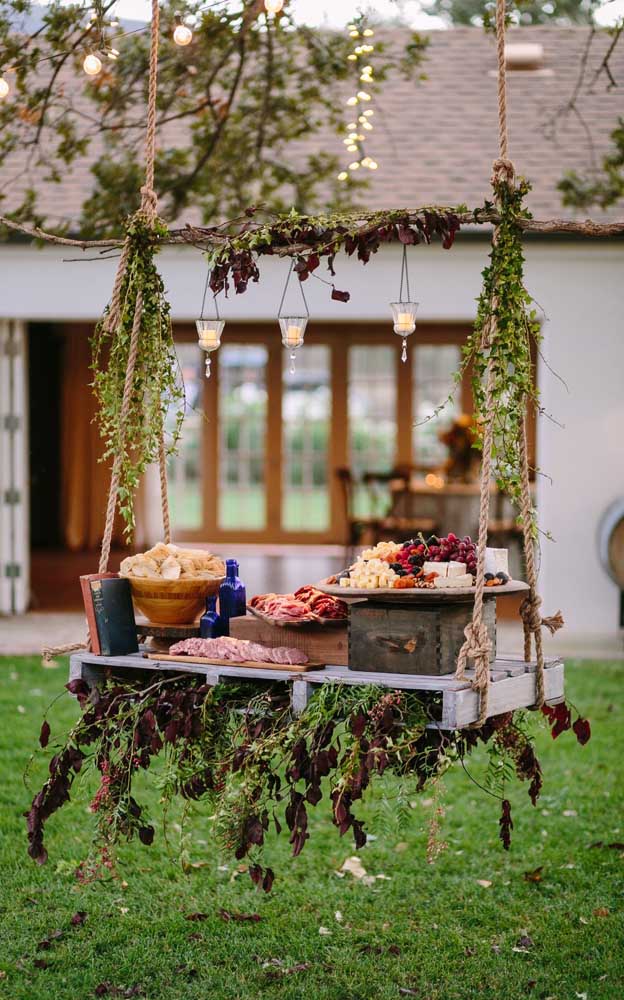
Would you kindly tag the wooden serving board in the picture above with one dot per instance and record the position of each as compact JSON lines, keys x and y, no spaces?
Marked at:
{"x":413,"y":594}
{"x":254,"y":664}
{"x":295,"y":622}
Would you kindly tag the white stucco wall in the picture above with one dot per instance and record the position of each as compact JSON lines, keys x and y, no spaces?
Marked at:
{"x":578,"y":285}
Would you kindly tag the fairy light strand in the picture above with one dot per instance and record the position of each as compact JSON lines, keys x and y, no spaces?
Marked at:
{"x":360,"y":125}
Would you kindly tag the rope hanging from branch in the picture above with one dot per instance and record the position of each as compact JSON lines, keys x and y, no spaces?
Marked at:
{"x":477,"y":645}
{"x":146,"y":216}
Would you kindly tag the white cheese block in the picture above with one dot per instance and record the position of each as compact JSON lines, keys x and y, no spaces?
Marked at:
{"x":453,"y":581}
{"x":441,"y":568}
{"x":497,"y":561}
{"x":456,"y":568}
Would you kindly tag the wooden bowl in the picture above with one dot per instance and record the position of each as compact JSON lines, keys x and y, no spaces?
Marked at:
{"x":172,"y":602}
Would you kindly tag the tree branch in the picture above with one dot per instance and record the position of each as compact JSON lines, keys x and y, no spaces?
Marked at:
{"x":215,"y":236}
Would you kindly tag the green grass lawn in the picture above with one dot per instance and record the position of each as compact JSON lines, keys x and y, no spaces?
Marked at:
{"x":429,"y":931}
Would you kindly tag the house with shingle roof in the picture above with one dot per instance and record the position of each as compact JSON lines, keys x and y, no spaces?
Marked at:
{"x":261,"y":449}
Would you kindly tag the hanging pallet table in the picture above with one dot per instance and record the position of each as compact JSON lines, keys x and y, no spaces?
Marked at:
{"x":456,"y":704}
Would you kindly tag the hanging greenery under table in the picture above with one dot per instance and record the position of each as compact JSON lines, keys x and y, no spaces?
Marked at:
{"x":242,"y":755}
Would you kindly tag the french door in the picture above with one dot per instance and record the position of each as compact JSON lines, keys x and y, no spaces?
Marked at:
{"x":261,"y":446}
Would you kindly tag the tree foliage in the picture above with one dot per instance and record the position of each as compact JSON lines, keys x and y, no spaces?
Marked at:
{"x":476,"y":12}
{"x":235,"y":108}
{"x":603,"y":187}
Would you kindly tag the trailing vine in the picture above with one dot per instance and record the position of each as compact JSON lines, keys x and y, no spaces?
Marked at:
{"x":505,"y":299}
{"x":238,"y":749}
{"x":156,"y":384}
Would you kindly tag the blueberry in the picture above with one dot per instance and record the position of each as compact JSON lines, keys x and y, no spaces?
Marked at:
{"x":397,"y":567}
{"x":503,"y":577}
{"x":432,"y":540}
{"x":489,"y":576}
{"x":414,"y":560}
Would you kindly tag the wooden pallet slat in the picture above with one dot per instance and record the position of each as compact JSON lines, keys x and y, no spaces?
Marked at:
{"x":513,"y":682}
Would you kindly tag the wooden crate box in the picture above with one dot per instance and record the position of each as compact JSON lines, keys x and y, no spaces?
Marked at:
{"x":413,"y":638}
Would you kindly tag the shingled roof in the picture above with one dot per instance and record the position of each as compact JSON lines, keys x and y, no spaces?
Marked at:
{"x":435,"y":140}
{"x":444,"y":131}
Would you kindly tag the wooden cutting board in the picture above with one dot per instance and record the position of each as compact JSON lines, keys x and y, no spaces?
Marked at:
{"x":289,"y":667}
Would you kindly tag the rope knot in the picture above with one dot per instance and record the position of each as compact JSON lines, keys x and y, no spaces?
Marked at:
{"x":477,"y":645}
{"x":149,"y":200}
{"x":503,"y":172}
{"x":530,"y":612}
{"x":532,"y":619}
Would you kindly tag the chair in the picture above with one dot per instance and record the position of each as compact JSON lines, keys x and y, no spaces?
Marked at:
{"x":394,"y":525}
{"x":357,"y":526}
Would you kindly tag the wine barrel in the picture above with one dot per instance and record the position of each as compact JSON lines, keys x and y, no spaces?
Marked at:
{"x":611,"y":542}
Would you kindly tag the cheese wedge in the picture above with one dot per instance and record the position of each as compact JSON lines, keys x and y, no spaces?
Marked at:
{"x":456,"y":568}
{"x":497,"y":561}
{"x":453,"y":581}
{"x":441,"y":568}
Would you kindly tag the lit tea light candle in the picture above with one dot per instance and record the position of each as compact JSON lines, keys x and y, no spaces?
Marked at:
{"x":404,"y":323}
{"x":293,"y":336}
{"x":210,"y":339}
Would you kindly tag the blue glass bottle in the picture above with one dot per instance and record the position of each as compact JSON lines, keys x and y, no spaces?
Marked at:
{"x":210,"y":623}
{"x":232,"y":594}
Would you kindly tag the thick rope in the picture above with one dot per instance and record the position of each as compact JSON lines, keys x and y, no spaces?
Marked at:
{"x":477,"y":645}
{"x":149,"y":202}
{"x":532,"y":620}
{"x":49,"y":652}
{"x":149,"y":205}
{"x":123,"y":417}
{"x":164,"y":494}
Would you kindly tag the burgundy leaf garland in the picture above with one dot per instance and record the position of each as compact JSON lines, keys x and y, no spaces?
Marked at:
{"x":243,"y":751}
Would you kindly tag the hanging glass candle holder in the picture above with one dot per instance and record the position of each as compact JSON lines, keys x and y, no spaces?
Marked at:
{"x":293,"y":327}
{"x":404,"y":311}
{"x":209,"y":329}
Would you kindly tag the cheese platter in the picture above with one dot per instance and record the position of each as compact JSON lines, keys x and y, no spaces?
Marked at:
{"x":416,"y":594}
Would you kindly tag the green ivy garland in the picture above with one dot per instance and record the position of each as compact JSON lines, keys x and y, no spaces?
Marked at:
{"x":505,"y":299}
{"x":157,"y":388}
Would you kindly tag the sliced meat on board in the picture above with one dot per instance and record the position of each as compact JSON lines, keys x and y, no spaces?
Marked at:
{"x":238,"y":650}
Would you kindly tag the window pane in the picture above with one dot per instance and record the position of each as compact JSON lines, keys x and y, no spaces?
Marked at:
{"x":433,"y":381}
{"x":372,"y":417}
{"x":306,"y":414}
{"x":184,"y":469}
{"x":242,"y":436}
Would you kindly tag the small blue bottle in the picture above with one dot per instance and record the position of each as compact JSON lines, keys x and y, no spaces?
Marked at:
{"x":210,"y":623}
{"x":232,"y":595}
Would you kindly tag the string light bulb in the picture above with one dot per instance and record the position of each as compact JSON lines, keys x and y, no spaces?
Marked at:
{"x":182,"y":34}
{"x":92,"y":64}
{"x":273,"y":6}
{"x":4,"y":88}
{"x":357,"y":132}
